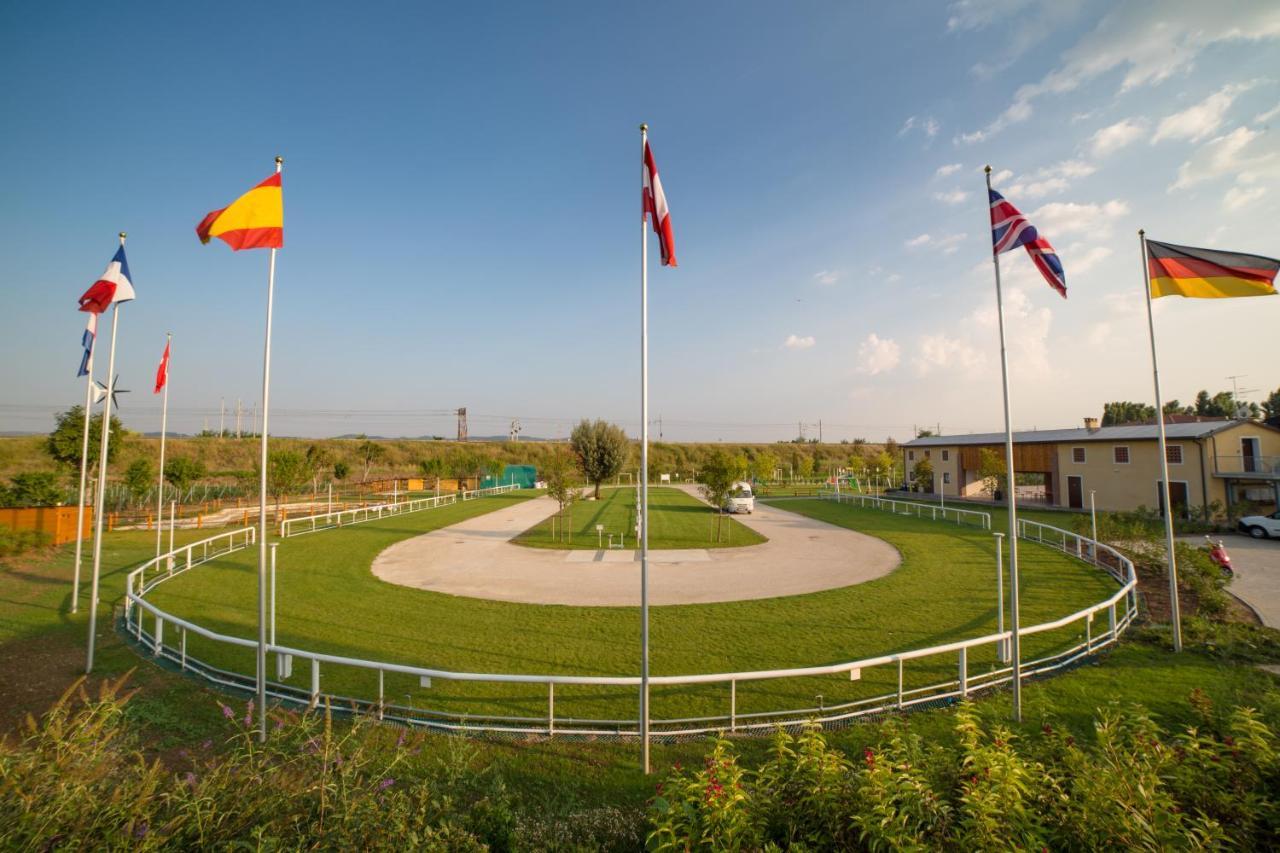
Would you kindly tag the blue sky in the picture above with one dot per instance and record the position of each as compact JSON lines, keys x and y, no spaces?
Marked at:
{"x":461,"y":200}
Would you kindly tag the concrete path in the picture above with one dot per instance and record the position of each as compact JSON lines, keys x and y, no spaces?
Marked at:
{"x":1256,"y":563}
{"x":475,"y":558}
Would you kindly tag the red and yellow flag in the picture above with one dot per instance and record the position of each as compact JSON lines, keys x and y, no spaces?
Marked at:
{"x":253,"y":221}
{"x":1207,"y":273}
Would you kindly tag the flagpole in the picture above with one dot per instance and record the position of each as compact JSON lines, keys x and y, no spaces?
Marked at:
{"x":84,"y":469}
{"x":262,"y":501}
{"x":644,"y":471}
{"x":164,"y":429}
{"x":1010,"y":488}
{"x":102,"y":480}
{"x":1175,"y":611}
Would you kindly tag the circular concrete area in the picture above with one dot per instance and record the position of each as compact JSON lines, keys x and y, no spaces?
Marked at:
{"x":476,"y":558}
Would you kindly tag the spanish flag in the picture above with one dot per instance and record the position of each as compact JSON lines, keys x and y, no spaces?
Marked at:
{"x":253,"y":221}
{"x":1208,"y":274}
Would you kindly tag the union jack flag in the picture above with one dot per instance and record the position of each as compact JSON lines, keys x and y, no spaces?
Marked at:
{"x":1010,"y":229}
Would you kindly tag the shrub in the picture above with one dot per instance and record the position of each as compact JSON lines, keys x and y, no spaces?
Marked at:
{"x":35,"y":488}
{"x":15,"y":542}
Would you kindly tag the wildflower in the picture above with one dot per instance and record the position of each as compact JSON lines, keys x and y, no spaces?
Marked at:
{"x":140,"y":831}
{"x":386,"y":783}
{"x":226,"y":711}
{"x":208,"y":743}
{"x":190,"y":779}
{"x":1047,"y":729}
{"x":248,"y":713}
{"x":869,"y":756}
{"x":400,"y":740}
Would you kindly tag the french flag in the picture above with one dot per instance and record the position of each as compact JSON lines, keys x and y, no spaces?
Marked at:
{"x":90,"y":334}
{"x":113,"y":286}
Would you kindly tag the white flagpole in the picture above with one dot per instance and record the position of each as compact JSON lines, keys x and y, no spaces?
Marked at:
{"x":1175,"y":611}
{"x":262,"y":501}
{"x":84,"y":470}
{"x":1010,"y":488}
{"x":644,"y":470}
{"x":164,"y":429}
{"x":102,"y":481}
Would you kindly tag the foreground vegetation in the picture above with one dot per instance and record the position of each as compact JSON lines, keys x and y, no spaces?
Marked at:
{"x":676,"y":520}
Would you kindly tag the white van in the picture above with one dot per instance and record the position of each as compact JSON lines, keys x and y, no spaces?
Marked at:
{"x":740,"y":499}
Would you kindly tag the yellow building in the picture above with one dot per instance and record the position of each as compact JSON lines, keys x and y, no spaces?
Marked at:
{"x":1227,"y":462}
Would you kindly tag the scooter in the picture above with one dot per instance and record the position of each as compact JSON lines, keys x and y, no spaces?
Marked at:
{"x":1218,"y":553}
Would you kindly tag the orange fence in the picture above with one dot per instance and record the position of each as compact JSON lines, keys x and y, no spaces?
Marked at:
{"x":58,"y":522}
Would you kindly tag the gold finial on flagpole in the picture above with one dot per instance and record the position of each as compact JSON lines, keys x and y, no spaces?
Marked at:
{"x":1141,"y":232}
{"x":279,"y":162}
{"x":122,"y":236}
{"x":987,"y":169}
{"x":644,"y":128}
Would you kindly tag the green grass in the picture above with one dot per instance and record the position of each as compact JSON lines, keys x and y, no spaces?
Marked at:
{"x":676,"y":520}
{"x":329,"y":601}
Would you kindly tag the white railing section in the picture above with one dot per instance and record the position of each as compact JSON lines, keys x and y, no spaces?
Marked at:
{"x":492,"y":490}
{"x":1115,"y":612}
{"x":934,"y":512}
{"x":356,"y":515}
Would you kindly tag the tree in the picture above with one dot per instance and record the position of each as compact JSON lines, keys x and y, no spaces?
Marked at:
{"x":463,"y":465}
{"x":138,"y":478}
{"x":182,"y":473}
{"x":432,"y":469}
{"x":370,"y":451}
{"x":341,"y":470}
{"x":1125,"y":412}
{"x":601,"y":449}
{"x":34,"y":488}
{"x":922,"y":476}
{"x":64,"y":443}
{"x":287,"y":471}
{"x":1173,"y":407}
{"x":319,"y":458}
{"x":1272,"y":404}
{"x":559,"y":473}
{"x":719,"y":472}
{"x":805,"y":468}
{"x":764,"y":466}
{"x":992,"y":470}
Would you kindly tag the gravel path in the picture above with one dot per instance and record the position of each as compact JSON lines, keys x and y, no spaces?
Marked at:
{"x":475,"y":558}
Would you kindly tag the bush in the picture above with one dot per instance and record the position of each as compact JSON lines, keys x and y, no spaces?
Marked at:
{"x":35,"y":488}
{"x":15,"y":542}
{"x":1136,"y":786}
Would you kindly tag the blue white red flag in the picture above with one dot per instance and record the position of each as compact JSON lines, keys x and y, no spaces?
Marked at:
{"x":1010,"y":229}
{"x":114,"y":286}
{"x":90,"y":334}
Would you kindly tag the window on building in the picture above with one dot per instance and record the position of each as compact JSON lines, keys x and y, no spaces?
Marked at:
{"x":1077,"y":455}
{"x":946,"y":478}
{"x":1121,"y":455}
{"x":1173,"y":453}
{"x":946,"y":456}
{"x":911,"y":454}
{"x":926,"y":454}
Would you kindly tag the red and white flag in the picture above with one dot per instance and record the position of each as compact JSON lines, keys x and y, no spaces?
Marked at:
{"x":655,"y":202}
{"x":162,"y":372}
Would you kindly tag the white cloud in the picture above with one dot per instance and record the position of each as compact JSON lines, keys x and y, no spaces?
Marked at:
{"x":928,"y":125}
{"x":1001,"y":176}
{"x":1113,"y":137}
{"x":1150,"y":41}
{"x":940,"y":352}
{"x":878,"y":355}
{"x":952,"y":197}
{"x":1051,"y":179}
{"x":1023,"y":23}
{"x":1099,"y":333}
{"x":1238,"y":197}
{"x":1263,"y":118}
{"x":950,"y":244}
{"x":1079,"y":258}
{"x":1250,"y":155}
{"x":826,"y":277}
{"x":1026,"y":326}
{"x":1065,"y":217}
{"x":797,"y":342}
{"x":952,"y":168}
{"x":917,"y":242}
{"x":1198,"y":122}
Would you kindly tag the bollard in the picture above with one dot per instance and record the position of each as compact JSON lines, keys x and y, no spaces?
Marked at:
{"x":200,"y":521}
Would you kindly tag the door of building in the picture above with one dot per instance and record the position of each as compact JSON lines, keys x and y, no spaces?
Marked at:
{"x":1075,"y":491}
{"x":1178,"y":496}
{"x":1249,"y":454}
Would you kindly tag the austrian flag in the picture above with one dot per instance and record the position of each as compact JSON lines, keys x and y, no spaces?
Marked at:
{"x":655,"y":202}
{"x":114,"y":286}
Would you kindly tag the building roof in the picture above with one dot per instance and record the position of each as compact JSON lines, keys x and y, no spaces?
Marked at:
{"x":1079,"y":435}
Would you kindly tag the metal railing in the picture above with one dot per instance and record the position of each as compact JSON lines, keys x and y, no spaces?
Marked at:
{"x":1117,"y":612}
{"x":933,"y":512}
{"x":1241,"y":464}
{"x":346,"y":517}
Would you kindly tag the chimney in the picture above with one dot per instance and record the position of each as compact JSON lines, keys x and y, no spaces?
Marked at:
{"x":1091,"y":424}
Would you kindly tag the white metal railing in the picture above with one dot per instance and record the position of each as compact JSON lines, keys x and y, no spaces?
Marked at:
{"x":934,"y":512}
{"x":356,"y":515}
{"x":153,"y":571}
{"x":1117,"y":610}
{"x":492,"y":490}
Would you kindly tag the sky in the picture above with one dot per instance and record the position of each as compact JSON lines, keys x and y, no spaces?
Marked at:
{"x":461,"y":186}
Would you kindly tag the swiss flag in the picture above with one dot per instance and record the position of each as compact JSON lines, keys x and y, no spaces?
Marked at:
{"x":162,"y":372}
{"x":655,"y":202}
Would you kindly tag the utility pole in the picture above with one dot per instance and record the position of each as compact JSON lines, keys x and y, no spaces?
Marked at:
{"x":462,"y":424}
{"x":819,"y":430}
{"x":222,"y":417}
{"x":239,"y":414}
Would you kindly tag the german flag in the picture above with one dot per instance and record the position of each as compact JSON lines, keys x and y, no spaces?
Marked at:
{"x":1207,"y":273}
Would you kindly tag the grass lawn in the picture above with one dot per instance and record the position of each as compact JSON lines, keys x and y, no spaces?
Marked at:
{"x":676,"y":520}
{"x":329,"y":601}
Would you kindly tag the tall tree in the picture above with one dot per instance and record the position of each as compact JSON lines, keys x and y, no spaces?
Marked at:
{"x":182,"y":473}
{"x":64,"y":443}
{"x":922,"y":476}
{"x":138,"y":478}
{"x":1272,"y":404}
{"x":601,"y":449}
{"x":1123,"y":412}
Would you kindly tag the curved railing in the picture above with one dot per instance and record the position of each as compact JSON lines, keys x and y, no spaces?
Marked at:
{"x":931,"y":511}
{"x":356,"y":515}
{"x":1116,"y":612}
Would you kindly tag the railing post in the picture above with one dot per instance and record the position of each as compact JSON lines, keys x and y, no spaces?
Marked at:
{"x":551,"y":708}
{"x":188,"y":556}
{"x":315,"y":680}
{"x":184,"y":650}
{"x":899,"y":684}
{"x":159,"y":637}
{"x":733,"y":704}
{"x":1111,"y":612}
{"x":964,"y":671}
{"x":381,"y":693}
{"x":1088,"y":633}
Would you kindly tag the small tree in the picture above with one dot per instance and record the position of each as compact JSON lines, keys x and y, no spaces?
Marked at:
{"x":341,"y":470}
{"x":805,"y":469}
{"x":764,"y":466}
{"x":182,"y":474}
{"x":370,"y":451}
{"x":65,"y":442}
{"x":319,"y":460}
{"x":34,"y":488}
{"x":287,"y":471}
{"x":138,"y":478}
{"x":992,"y":470}
{"x":922,"y":476}
{"x":601,"y":449}
{"x":719,"y":472}
{"x":559,"y":472}
{"x":432,"y":469}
